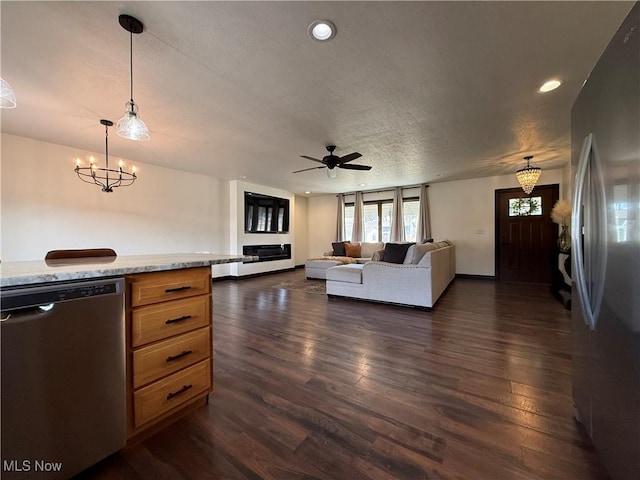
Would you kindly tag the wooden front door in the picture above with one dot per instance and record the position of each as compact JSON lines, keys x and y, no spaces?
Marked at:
{"x":525,"y":234}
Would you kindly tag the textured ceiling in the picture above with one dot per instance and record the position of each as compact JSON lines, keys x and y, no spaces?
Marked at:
{"x":425,"y":91}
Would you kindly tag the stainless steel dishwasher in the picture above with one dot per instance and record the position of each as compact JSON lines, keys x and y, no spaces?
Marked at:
{"x":63,"y":377}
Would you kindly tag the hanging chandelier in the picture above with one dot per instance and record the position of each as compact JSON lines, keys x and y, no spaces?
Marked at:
{"x":107,"y":178}
{"x":528,"y":176}
{"x":131,"y":125}
{"x":7,"y":95}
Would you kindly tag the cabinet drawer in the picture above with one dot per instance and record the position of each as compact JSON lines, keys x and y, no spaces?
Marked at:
{"x":157,"y":287}
{"x":168,"y":393}
{"x":168,"y":356}
{"x":157,"y":322}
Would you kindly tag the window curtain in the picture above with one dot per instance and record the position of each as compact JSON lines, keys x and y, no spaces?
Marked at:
{"x":340,"y":219}
{"x":424,"y":219}
{"x":397,"y":217}
{"x":357,"y":232}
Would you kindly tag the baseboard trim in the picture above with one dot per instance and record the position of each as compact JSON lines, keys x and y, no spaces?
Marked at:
{"x":476,"y":277}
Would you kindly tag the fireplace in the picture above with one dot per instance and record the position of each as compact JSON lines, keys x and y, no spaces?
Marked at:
{"x":269,"y":253}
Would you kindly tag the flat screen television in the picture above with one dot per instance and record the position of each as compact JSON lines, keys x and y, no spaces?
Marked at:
{"x":265,"y":214}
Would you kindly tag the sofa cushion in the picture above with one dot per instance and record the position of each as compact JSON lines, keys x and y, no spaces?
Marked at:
{"x":395,"y":252}
{"x":338,"y":249}
{"x":420,"y":250}
{"x":346,"y":273}
{"x":369,"y":248}
{"x":353,"y":250}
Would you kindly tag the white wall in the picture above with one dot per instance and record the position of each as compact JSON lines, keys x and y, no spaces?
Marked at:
{"x":45,"y":207}
{"x":301,"y":234}
{"x":462,"y":211}
{"x":237,"y":237}
{"x":322,"y":229}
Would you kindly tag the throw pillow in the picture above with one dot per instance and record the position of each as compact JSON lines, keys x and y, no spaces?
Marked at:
{"x":338,"y":249}
{"x":408,"y":259}
{"x":377,"y":255}
{"x":353,"y":250}
{"x":395,"y":252}
{"x":420,"y":250}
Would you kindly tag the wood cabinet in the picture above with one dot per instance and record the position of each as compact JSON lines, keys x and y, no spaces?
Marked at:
{"x":169,"y":346}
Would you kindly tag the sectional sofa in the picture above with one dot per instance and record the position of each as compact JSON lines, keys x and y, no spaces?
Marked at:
{"x":425,"y":273}
{"x":316,"y":267}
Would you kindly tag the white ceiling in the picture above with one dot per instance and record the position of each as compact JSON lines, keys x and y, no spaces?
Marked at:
{"x":425,"y":91}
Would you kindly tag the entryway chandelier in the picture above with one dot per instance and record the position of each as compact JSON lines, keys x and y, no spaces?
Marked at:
{"x":131,"y":125}
{"x":107,"y":178}
{"x":528,"y":176}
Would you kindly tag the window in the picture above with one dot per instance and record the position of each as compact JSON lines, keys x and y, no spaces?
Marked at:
{"x":349,"y":210}
{"x":524,"y":206}
{"x":410,"y":209}
{"x":377,"y":219}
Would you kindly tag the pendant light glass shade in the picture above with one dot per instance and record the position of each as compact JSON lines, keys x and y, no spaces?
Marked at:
{"x":528,"y":176}
{"x":7,"y":95}
{"x":131,"y":125}
{"x":332,"y":172}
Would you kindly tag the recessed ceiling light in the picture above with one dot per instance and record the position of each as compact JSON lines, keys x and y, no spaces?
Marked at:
{"x":362,"y":185}
{"x":322,"y":30}
{"x":243,"y":176}
{"x":550,"y":85}
{"x":307,"y":192}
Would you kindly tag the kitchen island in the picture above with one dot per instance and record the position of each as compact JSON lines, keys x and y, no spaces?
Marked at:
{"x":41,"y":271}
{"x":166,"y":317}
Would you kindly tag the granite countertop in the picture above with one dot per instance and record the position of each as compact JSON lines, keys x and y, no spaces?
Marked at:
{"x":41,"y":271}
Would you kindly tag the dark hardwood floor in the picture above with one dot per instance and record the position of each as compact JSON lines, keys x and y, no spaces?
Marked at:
{"x":306,"y":387}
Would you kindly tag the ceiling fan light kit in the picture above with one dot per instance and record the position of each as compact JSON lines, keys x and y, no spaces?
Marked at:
{"x":331,"y":162}
{"x":131,"y":125}
{"x":528,"y":176}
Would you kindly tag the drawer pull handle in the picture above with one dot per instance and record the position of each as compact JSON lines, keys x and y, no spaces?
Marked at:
{"x":171,"y":358}
{"x":179,"y":319}
{"x":177,"y":289}
{"x":175,"y":394}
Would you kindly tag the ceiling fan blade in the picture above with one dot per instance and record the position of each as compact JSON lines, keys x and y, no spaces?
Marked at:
{"x":350,"y":166}
{"x":306,"y":169}
{"x":311,"y":158}
{"x":350,"y":157}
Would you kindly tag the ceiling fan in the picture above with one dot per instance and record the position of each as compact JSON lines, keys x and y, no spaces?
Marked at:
{"x":332,"y":161}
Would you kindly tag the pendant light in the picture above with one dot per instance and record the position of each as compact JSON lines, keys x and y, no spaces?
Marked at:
{"x":528,"y":176}
{"x":7,"y":95}
{"x":107,"y":178}
{"x":131,"y":125}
